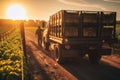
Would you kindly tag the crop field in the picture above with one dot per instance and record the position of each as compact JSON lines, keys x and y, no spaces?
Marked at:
{"x":4,"y":29}
{"x":11,"y":57}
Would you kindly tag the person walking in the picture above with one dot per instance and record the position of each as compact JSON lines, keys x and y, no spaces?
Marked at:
{"x":39,"y":35}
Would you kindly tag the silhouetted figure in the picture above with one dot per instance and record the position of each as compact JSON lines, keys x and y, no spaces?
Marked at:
{"x":39,"y":35}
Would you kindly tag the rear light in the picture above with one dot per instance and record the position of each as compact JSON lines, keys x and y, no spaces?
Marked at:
{"x":67,"y":46}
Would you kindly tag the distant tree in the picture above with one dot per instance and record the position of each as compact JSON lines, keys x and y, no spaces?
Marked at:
{"x":30,"y":23}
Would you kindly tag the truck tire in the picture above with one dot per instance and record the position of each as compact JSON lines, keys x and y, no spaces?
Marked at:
{"x":47,"y":46}
{"x":94,"y":58}
{"x":58,"y":54}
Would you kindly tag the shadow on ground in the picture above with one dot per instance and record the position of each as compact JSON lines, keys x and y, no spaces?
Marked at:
{"x":35,"y":68}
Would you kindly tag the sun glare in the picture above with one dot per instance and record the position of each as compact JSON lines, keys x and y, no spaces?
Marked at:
{"x":16,"y":12}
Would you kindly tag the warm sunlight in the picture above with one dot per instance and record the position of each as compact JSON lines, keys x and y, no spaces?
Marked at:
{"x":16,"y":12}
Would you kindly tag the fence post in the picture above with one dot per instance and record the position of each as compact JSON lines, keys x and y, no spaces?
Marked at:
{"x":22,"y":32}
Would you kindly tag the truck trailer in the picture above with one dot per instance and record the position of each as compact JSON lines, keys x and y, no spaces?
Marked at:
{"x":73,"y":33}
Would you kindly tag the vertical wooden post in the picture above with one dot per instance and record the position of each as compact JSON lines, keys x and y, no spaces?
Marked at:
{"x":22,"y":32}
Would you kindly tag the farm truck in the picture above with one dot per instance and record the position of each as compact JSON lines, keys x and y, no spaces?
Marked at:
{"x":72,"y":33}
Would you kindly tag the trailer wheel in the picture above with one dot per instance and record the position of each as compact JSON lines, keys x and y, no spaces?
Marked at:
{"x":94,"y":58}
{"x":57,"y":54}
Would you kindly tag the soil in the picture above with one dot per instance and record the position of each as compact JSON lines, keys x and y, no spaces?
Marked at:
{"x":35,"y":70}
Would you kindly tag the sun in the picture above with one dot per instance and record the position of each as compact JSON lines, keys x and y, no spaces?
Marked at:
{"x":16,"y":12}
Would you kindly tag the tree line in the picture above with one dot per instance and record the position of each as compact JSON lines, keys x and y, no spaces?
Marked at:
{"x":28,"y":23}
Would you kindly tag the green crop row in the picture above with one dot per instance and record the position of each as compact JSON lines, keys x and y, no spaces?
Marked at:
{"x":11,"y":57}
{"x":4,"y":29}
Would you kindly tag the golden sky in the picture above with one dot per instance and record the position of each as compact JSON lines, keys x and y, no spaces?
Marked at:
{"x":42,"y":9}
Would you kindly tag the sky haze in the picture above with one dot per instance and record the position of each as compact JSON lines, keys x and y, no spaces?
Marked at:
{"x":42,"y":9}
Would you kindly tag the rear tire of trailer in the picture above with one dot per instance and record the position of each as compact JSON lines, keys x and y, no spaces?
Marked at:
{"x":57,"y":54}
{"x":94,"y":58}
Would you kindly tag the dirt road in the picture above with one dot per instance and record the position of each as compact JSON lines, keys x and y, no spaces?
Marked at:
{"x":42,"y":67}
{"x":108,"y":69}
